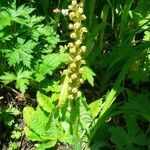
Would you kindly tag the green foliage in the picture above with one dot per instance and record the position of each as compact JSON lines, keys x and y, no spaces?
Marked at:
{"x":8,"y":115}
{"x":22,"y":79}
{"x":49,"y":63}
{"x":15,"y":138}
{"x":88,"y":75}
{"x":45,"y":125}
{"x":95,"y":107}
{"x":125,"y":141}
{"x":27,"y":47}
{"x":113,"y":111}
{"x":133,"y":137}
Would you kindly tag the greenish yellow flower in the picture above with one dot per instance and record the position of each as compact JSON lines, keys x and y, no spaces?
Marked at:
{"x":76,"y":49}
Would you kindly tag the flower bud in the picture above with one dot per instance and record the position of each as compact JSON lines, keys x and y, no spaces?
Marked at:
{"x":73,"y":35}
{"x":72,"y":15}
{"x":65,"y":12}
{"x":79,"y":94}
{"x":70,"y":44}
{"x":73,"y":76}
{"x":72,"y":65}
{"x":80,"y":10}
{"x":83,"y":17}
{"x":69,"y":88}
{"x":81,"y":70}
{"x":70,"y":97}
{"x":83,"y":62}
{"x":78,"y":42}
{"x":74,"y":2}
{"x":71,"y":26}
{"x":78,"y":57}
{"x":74,"y":90}
{"x":70,"y":7}
{"x":77,"y":25}
{"x":81,"y":5}
{"x":65,"y":72}
{"x":72,"y":50}
{"x":81,"y":81}
{"x":70,"y":81}
{"x":84,"y":29}
{"x":83,"y":48}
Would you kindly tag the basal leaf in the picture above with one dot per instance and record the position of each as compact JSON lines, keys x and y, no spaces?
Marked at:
{"x":28,"y":114}
{"x":46,"y":145}
{"x":45,"y":102}
{"x":36,"y":121}
{"x":32,"y":135}
{"x":85,"y":116}
{"x":64,"y":134}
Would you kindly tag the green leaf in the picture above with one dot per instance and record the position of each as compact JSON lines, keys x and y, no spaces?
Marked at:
{"x":98,"y":145}
{"x":20,"y":14}
{"x":65,"y":136}
{"x":51,"y":128}
{"x":8,"y":77}
{"x":140,"y":139}
{"x":5,"y":19}
{"x":7,"y":116}
{"x":147,"y":36}
{"x":54,"y":60}
{"x":49,"y":64}
{"x":88,"y":75}
{"x":46,"y":145}
{"x":47,"y":33}
{"x":36,"y":121}
{"x":85,"y":116}
{"x":51,"y":86}
{"x":119,"y":136}
{"x":45,"y":102}
{"x":21,"y":53}
{"x":22,"y":80}
{"x":22,"y":85}
{"x":24,"y":11}
{"x":95,"y":107}
{"x":137,"y":104}
{"x":32,"y":135}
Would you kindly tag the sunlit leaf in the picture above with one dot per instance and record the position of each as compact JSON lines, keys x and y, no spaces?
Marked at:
{"x":88,"y":75}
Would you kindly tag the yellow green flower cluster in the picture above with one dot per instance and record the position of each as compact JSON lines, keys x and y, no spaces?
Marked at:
{"x":76,"y":49}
